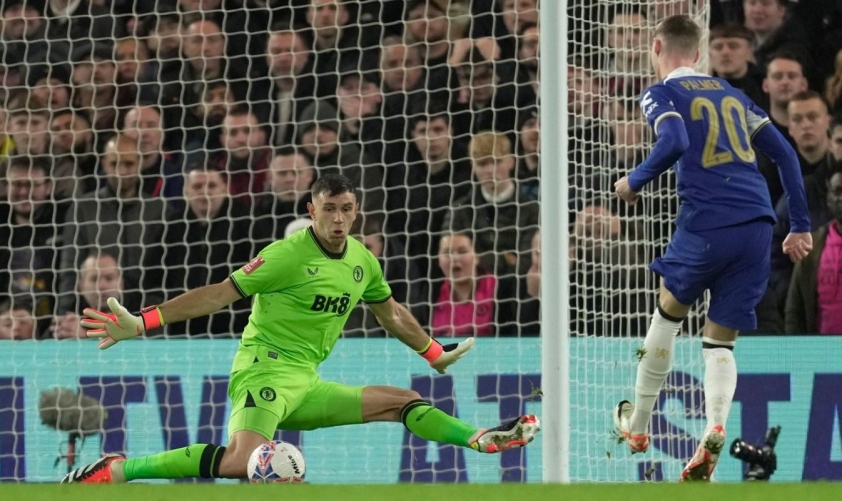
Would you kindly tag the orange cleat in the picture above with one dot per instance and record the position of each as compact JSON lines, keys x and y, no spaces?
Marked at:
{"x":94,"y":473}
{"x":512,"y":435}
{"x":701,"y":465}
{"x":622,"y":417}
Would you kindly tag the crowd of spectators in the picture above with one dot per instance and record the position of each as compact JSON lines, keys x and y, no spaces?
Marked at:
{"x":153,"y":147}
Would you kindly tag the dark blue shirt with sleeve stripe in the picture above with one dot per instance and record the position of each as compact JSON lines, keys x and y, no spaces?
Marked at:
{"x":705,"y":129}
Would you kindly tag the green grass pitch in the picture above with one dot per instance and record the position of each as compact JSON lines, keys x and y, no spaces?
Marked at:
{"x":406,"y":492}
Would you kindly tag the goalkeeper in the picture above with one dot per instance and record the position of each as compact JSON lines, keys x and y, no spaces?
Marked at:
{"x":304,"y":288}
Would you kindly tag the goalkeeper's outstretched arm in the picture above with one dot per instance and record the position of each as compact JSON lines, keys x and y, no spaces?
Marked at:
{"x":199,"y":302}
{"x":120,"y":325}
{"x":397,"y":320}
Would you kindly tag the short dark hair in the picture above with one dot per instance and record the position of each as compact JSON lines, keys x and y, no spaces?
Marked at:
{"x":332,"y":185}
{"x":679,"y":33}
{"x":731,"y":30}
{"x":806,"y":95}
{"x":787,"y":55}
{"x":42,"y":162}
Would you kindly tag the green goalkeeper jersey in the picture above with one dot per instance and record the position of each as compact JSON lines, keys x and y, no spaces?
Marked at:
{"x":304,"y":294}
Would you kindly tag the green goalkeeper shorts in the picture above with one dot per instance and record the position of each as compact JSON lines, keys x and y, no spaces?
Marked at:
{"x":269,"y":393}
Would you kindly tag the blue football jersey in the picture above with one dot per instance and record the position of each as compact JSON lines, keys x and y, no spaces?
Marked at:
{"x":719,"y":184}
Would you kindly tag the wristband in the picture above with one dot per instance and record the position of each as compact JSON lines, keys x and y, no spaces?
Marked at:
{"x":152,"y":318}
{"x":433,"y":351}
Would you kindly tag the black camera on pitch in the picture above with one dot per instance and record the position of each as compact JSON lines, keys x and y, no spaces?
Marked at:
{"x":761,"y":462}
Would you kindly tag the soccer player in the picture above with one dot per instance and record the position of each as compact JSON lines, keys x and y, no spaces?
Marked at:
{"x":722,"y":241}
{"x":304,"y":288}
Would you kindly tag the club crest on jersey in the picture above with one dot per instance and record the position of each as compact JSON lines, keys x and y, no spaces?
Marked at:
{"x":358,"y":274}
{"x":267,"y":394}
{"x":252,"y":265}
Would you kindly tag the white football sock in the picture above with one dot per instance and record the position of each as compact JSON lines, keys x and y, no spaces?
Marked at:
{"x":720,"y":383}
{"x":653,"y":369}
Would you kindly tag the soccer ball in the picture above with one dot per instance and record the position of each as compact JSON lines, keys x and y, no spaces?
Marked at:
{"x":276,"y":462}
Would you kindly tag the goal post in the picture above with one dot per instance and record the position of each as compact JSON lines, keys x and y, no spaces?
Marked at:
{"x":555,"y":270}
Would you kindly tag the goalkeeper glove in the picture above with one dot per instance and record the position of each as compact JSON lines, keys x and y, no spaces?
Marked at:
{"x":441,"y":357}
{"x":119,"y":325}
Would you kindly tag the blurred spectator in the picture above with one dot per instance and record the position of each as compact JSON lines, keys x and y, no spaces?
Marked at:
{"x":16,"y":322}
{"x":469,"y":300}
{"x":204,"y":61}
{"x":628,"y":68}
{"x":23,"y":31}
{"x":775,"y":32}
{"x":72,"y":142}
{"x":99,"y":279}
{"x":28,"y":127}
{"x":359,"y":100}
{"x":406,"y":88}
{"x":809,"y":125}
{"x":290,"y":85}
{"x":203,"y":125}
{"x":319,"y":133}
{"x":529,"y":139}
{"x":244,"y":24}
{"x":609,"y":263}
{"x":836,"y":138}
{"x":408,"y":288}
{"x":421,"y":191}
{"x":516,"y":16}
{"x":583,"y":91}
{"x":784,"y":79}
{"x":290,"y":176}
{"x":50,"y":85}
{"x":426,"y":28}
{"x":244,"y":156}
{"x":663,"y":9}
{"x":731,"y":58}
{"x":528,"y":52}
{"x":497,"y":211}
{"x":529,"y":293}
{"x":338,"y":43}
{"x":117,"y":219}
{"x":71,"y":23}
{"x":137,"y":77}
{"x":7,"y":145}
{"x":95,"y":85}
{"x":203,"y":245}
{"x":833,"y":86}
{"x":814,"y":302}
{"x":163,"y":40}
{"x":160,"y":171}
{"x":27,"y":123}
{"x":491,"y":100}
{"x":29,"y":238}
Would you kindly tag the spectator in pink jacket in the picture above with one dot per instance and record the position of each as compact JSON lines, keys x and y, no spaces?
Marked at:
{"x":467,"y":303}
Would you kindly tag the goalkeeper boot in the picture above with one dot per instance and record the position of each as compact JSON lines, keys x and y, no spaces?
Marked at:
{"x":512,"y":435}
{"x":701,"y":465}
{"x":94,"y":473}
{"x":622,"y":419}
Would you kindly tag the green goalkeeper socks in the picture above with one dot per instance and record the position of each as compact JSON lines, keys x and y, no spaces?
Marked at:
{"x":425,"y":421}
{"x":199,"y":460}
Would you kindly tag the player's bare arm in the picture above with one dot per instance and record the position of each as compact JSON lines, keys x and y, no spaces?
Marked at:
{"x":397,"y":320}
{"x":120,"y":325}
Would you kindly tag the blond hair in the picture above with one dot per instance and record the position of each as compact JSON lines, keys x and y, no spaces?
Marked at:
{"x":490,"y":144}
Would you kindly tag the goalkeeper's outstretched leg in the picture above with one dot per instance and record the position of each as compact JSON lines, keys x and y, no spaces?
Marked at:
{"x":386,"y":403}
{"x":326,"y":407}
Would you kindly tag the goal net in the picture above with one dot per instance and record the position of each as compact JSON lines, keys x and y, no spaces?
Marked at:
{"x":153,"y":147}
{"x":613,"y":294}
